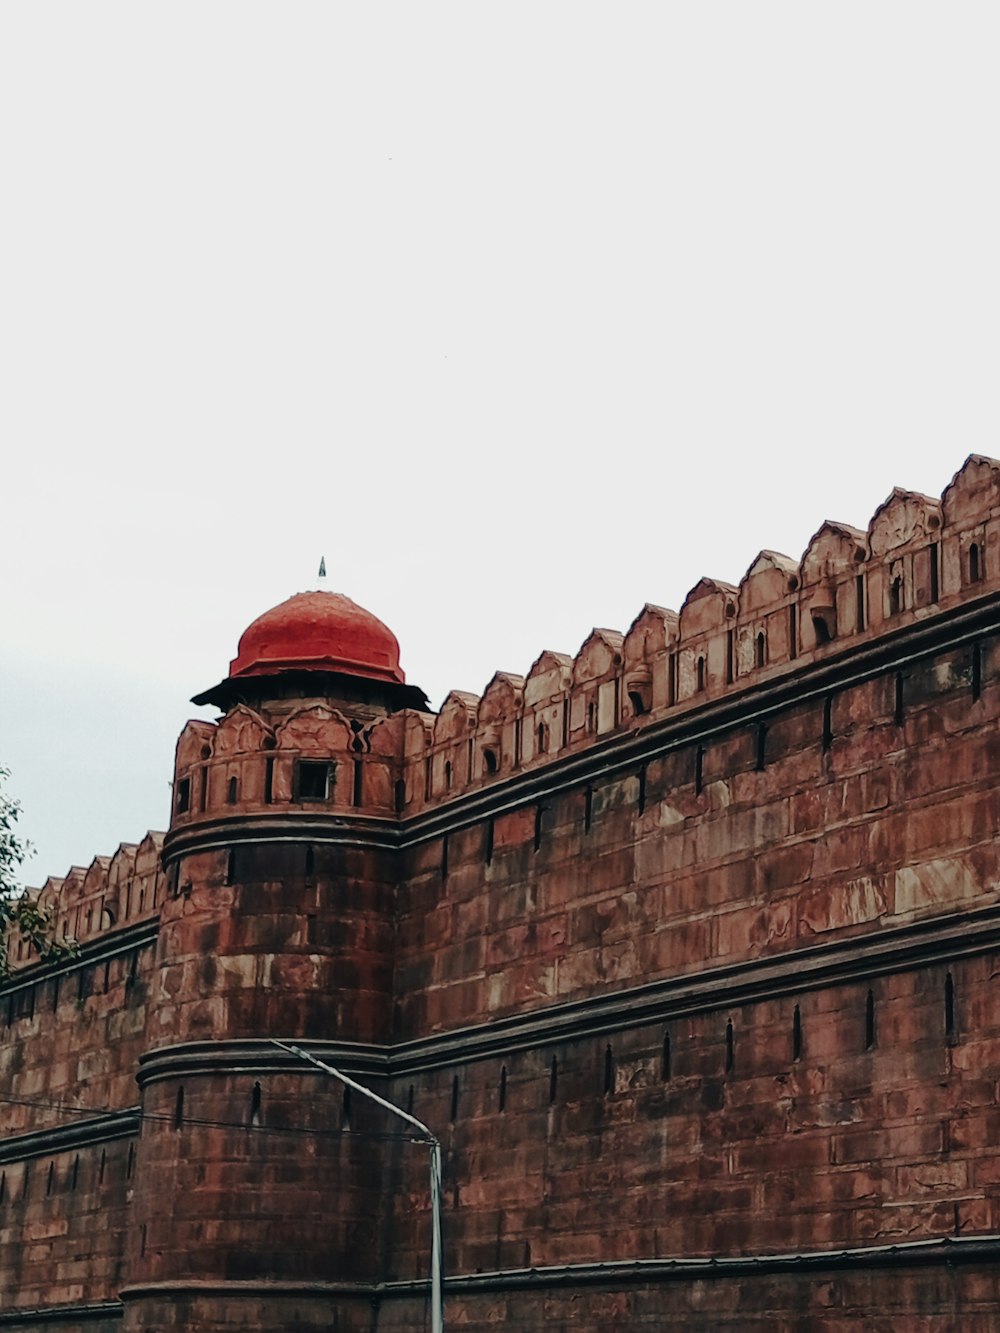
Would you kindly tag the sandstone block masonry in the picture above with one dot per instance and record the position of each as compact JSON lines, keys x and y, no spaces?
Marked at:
{"x":686,"y":948}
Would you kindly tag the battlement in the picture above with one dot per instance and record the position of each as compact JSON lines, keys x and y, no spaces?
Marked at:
{"x":919,"y":556}
{"x":113,"y":891}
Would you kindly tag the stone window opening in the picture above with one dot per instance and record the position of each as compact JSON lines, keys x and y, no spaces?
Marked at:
{"x":491,"y":762}
{"x":313,"y":779}
{"x":543,"y":738}
{"x":454,"y":1099}
{"x":345,"y":1108}
{"x":760,"y":650}
{"x":730,"y":1047}
{"x":975,"y":563}
{"x":822,"y":623}
{"x":231,"y":791}
{"x":553,"y":1080}
{"x":641,"y":796}
{"x":793,"y":630}
{"x":699,"y":669}
{"x":896,"y":595}
{"x":665,"y":1058}
{"x":447,"y":774}
{"x":502,"y":1092}
{"x":870,"y":1021}
{"x":859,"y":603}
{"x":255,"y":1101}
{"x":179,"y":1109}
{"x":638,"y":697}
{"x":182,"y":800}
{"x":797,"y":1034}
{"x":699,"y":770}
{"x":592,"y":716}
{"x":934,"y":574}
{"x":949,"y":1007}
{"x":400,"y":792}
{"x":609,"y":1070}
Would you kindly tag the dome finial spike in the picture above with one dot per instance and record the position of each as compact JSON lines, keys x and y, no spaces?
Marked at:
{"x":322,"y":567}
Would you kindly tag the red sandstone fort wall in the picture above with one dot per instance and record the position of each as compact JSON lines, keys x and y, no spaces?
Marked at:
{"x":685,"y":947}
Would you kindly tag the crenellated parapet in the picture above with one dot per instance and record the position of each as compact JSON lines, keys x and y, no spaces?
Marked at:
{"x":113,"y":891}
{"x":918,"y":557}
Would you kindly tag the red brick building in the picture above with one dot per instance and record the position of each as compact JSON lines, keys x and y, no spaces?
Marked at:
{"x":687,"y":948}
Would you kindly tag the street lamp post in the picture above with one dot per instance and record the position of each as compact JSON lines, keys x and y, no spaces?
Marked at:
{"x":424,"y":1135}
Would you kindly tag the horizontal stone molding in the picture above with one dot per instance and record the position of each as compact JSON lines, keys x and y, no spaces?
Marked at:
{"x":361,"y":831}
{"x":83,"y":1132}
{"x":143,"y":1291}
{"x":936,"y":1251}
{"x":631,"y":1272}
{"x":258,"y":1056}
{"x":92,"y":1312}
{"x":924,"y":943}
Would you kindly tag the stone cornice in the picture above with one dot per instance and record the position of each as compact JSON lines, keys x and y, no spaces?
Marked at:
{"x":83,"y":1132}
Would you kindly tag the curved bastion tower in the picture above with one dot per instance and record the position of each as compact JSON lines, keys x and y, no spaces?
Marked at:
{"x":278,"y":922}
{"x":686,"y":947}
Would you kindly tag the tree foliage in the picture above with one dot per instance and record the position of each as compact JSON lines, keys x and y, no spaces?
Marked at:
{"x":20,"y":914}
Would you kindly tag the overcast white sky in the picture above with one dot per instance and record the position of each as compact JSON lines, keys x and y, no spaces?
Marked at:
{"x":524,"y":314}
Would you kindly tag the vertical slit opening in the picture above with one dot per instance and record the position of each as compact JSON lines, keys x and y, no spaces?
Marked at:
{"x":268,"y":781}
{"x":933,"y":552}
{"x":553,"y":1080}
{"x":642,"y":788}
{"x":797,"y":1034}
{"x":730,"y":1047}
{"x":671,"y":679}
{"x":588,"y":809}
{"x":949,"y":1006}
{"x":700,"y":674}
{"x":179,"y":1109}
{"x":699,"y":770}
{"x":400,"y":794}
{"x":761,"y":757}
{"x":760,"y":650}
{"x":859,"y":603}
{"x":444,"y":857}
{"x":345,"y":1108}
{"x":897,"y":705}
{"x":454,"y":1097}
{"x":255,"y":1100}
{"x":489,"y":840}
{"x":539,"y":810}
{"x":869,"y":1021}
{"x":975,"y":564}
{"x":665,"y":1058}
{"x":231,"y":866}
{"x":356,"y":795}
{"x":502,"y":1094}
{"x":609,"y":1070}
{"x":729,"y":657}
{"x":793,"y":631}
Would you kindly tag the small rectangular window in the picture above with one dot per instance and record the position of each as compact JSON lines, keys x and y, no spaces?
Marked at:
{"x":183,"y":795}
{"x":313,"y":779}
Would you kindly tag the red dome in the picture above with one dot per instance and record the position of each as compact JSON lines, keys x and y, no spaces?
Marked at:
{"x":318,"y":631}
